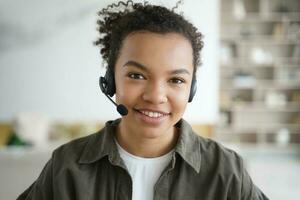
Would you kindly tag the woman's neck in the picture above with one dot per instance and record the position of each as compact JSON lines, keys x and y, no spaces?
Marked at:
{"x":131,"y":141}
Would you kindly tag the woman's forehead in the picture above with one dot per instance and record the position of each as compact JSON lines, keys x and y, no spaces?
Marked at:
{"x":143,"y":36}
{"x":170,"y":50}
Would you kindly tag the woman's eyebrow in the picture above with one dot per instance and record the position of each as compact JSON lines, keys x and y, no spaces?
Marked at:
{"x":144,"y":68}
{"x":180,"y":71}
{"x":135,"y":64}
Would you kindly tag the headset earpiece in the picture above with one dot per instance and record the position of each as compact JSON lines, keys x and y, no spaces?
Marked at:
{"x":108,"y":87}
{"x":193,"y":88}
{"x":107,"y":83}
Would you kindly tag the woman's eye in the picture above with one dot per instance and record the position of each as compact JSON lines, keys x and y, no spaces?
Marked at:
{"x":177,"y":81}
{"x":136,"y":76}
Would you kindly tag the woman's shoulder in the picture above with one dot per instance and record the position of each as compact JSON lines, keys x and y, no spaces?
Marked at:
{"x":216,"y":153}
{"x":210,"y":152}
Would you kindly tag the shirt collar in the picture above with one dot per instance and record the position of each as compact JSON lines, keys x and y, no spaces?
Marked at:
{"x":103,"y":144}
{"x":188,"y":145}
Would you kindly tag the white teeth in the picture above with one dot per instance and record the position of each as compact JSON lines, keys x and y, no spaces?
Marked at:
{"x":152,"y":114}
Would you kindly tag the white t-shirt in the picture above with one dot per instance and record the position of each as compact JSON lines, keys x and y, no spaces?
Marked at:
{"x":144,"y":172}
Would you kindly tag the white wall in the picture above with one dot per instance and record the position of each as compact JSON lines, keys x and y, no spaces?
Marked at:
{"x":49,"y":65}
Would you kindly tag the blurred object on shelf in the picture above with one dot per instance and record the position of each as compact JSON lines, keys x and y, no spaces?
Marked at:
{"x":283,"y":137}
{"x":242,"y":96}
{"x":275,"y":99}
{"x":296,"y":52}
{"x":287,"y":75}
{"x":205,"y":130}
{"x":293,"y":31}
{"x":282,"y":7}
{"x":264,"y":7}
{"x":244,"y":80}
{"x":225,"y":100}
{"x":32,"y":128}
{"x":226,"y":54}
{"x":225,"y":118}
{"x":239,"y":10}
{"x":15,"y":140}
{"x":5,"y":133}
{"x":295,"y":119}
{"x":245,"y":32}
{"x":278,"y":31}
{"x":261,"y":57}
{"x":69,"y":131}
{"x":59,"y":131}
{"x":295,"y":97}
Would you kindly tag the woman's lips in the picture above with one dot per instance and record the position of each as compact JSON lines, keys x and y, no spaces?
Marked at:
{"x":151,"y":116}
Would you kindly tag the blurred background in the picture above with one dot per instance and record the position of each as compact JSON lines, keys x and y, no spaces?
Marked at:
{"x":248,"y":95}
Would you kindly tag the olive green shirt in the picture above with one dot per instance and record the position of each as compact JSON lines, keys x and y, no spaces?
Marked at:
{"x":91,"y":168}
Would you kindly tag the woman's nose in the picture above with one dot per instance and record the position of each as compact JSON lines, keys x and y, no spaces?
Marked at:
{"x":155,"y":93}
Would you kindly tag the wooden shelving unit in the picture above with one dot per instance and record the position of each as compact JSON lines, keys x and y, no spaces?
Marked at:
{"x":260,"y":72}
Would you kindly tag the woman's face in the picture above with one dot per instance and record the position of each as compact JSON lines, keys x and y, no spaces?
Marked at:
{"x":153,"y":75}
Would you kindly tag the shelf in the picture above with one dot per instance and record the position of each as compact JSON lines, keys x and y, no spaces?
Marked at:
{"x":260,"y":84}
{"x":262,"y":107}
{"x":265,"y":148}
{"x":260,"y":39}
{"x":256,"y":17}
{"x":259,"y":71}
{"x":257,"y":128}
{"x":244,"y":65}
{"x":277,"y":62}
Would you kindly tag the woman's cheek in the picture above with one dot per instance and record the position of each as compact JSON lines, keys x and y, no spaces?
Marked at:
{"x":181,"y":95}
{"x":128,"y":92}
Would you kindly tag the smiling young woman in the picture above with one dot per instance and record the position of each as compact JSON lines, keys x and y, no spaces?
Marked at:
{"x":150,"y":153}
{"x":153,"y":76}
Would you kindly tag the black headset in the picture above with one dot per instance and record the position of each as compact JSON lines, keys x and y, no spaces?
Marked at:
{"x":108,"y":86}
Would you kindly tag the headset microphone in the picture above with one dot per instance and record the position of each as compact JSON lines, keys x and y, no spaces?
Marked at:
{"x":120,"y":108}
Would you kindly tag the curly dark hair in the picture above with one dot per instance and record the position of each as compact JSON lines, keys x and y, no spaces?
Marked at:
{"x":119,"y":20}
